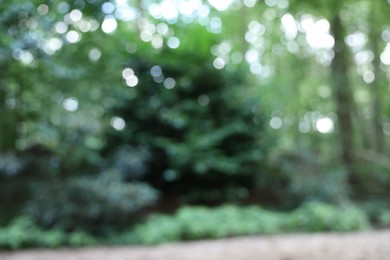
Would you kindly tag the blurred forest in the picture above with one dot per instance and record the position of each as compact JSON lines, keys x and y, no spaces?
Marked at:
{"x":113,"y":111}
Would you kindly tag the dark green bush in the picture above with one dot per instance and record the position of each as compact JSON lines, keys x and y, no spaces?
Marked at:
{"x":301,"y":175}
{"x":206,"y":140}
{"x":378,"y":212}
{"x":384,"y":218}
{"x":10,"y":164}
{"x":88,"y":203}
{"x":372,"y":177}
{"x":22,"y":232}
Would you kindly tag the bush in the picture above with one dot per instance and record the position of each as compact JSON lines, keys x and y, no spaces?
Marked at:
{"x":88,"y":203}
{"x":10,"y":164}
{"x":159,"y":229}
{"x":23,"y":232}
{"x":378,"y":212}
{"x":191,"y":223}
{"x":315,"y":216}
{"x":206,"y":140}
{"x":384,"y":218}
{"x":226,"y":221}
{"x":301,"y":175}
{"x":372,"y":177}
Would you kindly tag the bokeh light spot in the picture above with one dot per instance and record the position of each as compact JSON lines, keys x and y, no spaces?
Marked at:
{"x":132,"y":81}
{"x":168,"y":10}
{"x":146,"y":36}
{"x":271,"y":2}
{"x":215,"y":24}
{"x":94,"y":54}
{"x":289,"y":26}
{"x":63,"y":7}
{"x":60,"y":27}
{"x":250,"y":3}
{"x":73,"y":36}
{"x":108,"y":8}
{"x":43,"y":9}
{"x":276,"y":122}
{"x":50,"y":46}
{"x":157,"y":42}
{"x":71,"y":104}
{"x":219,"y":63}
{"x":156,"y":71}
{"x":173,"y":42}
{"x":220,"y":5}
{"x":169,"y":83}
{"x":385,"y":55}
{"x":368,"y":76}
{"x":127,"y":73}
{"x":325,"y":125}
{"x":118,"y":123}
{"x":109,"y":24}
{"x":26,"y":57}
{"x":75,"y":15}
{"x":162,"y":28}
{"x":304,"y":127}
{"x":203,"y":100}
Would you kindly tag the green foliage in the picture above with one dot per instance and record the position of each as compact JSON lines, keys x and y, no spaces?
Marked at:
{"x":372,"y":177}
{"x":159,"y":229}
{"x":298,"y":176}
{"x":315,"y":216}
{"x":384,"y":218}
{"x":227,"y":221}
{"x":90,"y":203}
{"x":204,"y":139}
{"x":10,"y":164}
{"x":191,"y":223}
{"x":378,"y":212}
{"x":22,"y":233}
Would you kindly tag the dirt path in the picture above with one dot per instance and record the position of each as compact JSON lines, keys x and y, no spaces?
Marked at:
{"x":330,"y":246}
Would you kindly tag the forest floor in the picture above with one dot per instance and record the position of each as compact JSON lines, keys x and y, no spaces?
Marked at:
{"x":373,"y":245}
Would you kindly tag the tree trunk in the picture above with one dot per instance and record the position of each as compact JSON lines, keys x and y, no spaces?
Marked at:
{"x":379,"y":139}
{"x":342,"y":94}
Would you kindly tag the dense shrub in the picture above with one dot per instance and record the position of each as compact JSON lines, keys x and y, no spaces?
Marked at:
{"x":372,"y":177}
{"x":10,"y":164}
{"x":301,"y":175}
{"x":378,"y":212}
{"x":205,"y":139}
{"x":88,"y":203}
{"x":22,"y":232}
{"x":201,"y":223}
{"x":384,"y":218}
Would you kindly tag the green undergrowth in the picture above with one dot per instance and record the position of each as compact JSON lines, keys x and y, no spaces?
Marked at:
{"x":194,"y":223}
{"x":23,"y":233}
{"x":191,"y":223}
